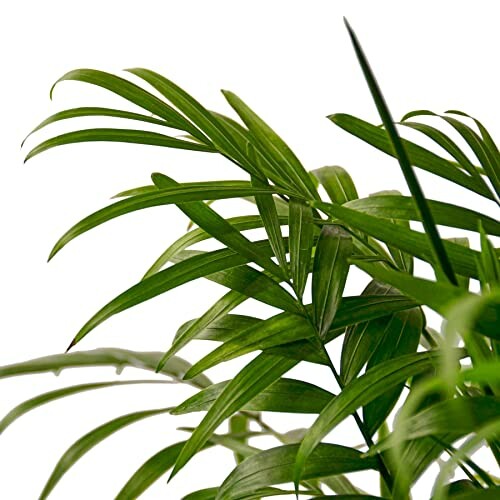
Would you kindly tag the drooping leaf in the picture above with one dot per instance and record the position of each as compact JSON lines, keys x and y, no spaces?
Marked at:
{"x":337,"y":183}
{"x":93,"y":111}
{"x":488,"y":263}
{"x":331,"y":265}
{"x":408,"y":240}
{"x":250,"y":381}
{"x":119,"y":358}
{"x":88,"y":441}
{"x":197,"y":235}
{"x":117,"y":135}
{"x":445,"y":214}
{"x":134,"y":94}
{"x":221,"y":229}
{"x":421,"y":205}
{"x":284,"y":395}
{"x":358,"y":393}
{"x":276,"y":466}
{"x":48,"y":397}
{"x":301,"y":241}
{"x":195,"y":267}
{"x":287,"y":334}
{"x":418,"y":156}
{"x":175,"y":194}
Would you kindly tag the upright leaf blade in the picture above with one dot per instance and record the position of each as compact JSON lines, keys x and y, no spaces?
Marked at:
{"x":411,"y":179}
{"x":331,"y":265}
{"x":338,"y":184}
{"x":301,"y":226}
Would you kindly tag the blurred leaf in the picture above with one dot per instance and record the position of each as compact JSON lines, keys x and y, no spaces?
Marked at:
{"x":331,"y":265}
{"x":284,"y":395}
{"x":488,"y":263}
{"x":337,"y":183}
{"x":49,"y":397}
{"x":248,"y":383}
{"x":91,"y":439}
{"x":275,"y":466}
{"x":119,"y":358}
{"x":463,"y":415}
{"x":301,"y":230}
{"x":239,"y":424}
{"x":360,"y":392}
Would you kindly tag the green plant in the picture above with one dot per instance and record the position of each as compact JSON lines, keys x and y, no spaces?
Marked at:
{"x":389,"y":356}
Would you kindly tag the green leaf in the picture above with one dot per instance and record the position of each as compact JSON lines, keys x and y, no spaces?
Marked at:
{"x":219,"y":228}
{"x":276,"y":466}
{"x":283,"y":331}
{"x":250,"y":282}
{"x":221,"y":329}
{"x":197,"y":235}
{"x":119,"y":358}
{"x":418,"y":156}
{"x":239,"y":425}
{"x":401,"y":336}
{"x":274,"y":147}
{"x":88,"y":111}
{"x":210,"y":123}
{"x":337,"y":183}
{"x":361,"y":338}
{"x":358,"y":393}
{"x":269,"y":214}
{"x":284,"y":395}
{"x":346,"y":497}
{"x":176,"y":194}
{"x":410,"y":241}
{"x":301,"y":242}
{"x":436,"y":244}
{"x":463,"y":415}
{"x":91,"y":439}
{"x":204,"y":494}
{"x":488,"y":263}
{"x":440,"y":296}
{"x":331,"y":265}
{"x":449,"y":146}
{"x":188,"y":270}
{"x":209,"y":319}
{"x":250,"y":381}
{"x":117,"y":135}
{"x":445,"y":214}
{"x":134,"y":94}
{"x":48,"y":397}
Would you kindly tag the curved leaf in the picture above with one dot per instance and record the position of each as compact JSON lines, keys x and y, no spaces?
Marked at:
{"x":117,"y":135}
{"x":275,"y":466}
{"x":250,"y":381}
{"x":284,"y":395}
{"x":91,"y":439}
{"x":337,"y":183}
{"x":358,"y":393}
{"x":48,"y":397}
{"x":119,"y":358}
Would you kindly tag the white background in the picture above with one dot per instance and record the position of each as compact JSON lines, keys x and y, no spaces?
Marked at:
{"x":292,"y":62}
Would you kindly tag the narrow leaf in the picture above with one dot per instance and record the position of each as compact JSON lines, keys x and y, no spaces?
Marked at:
{"x":301,"y":242}
{"x":337,"y":183}
{"x":331,"y":265}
